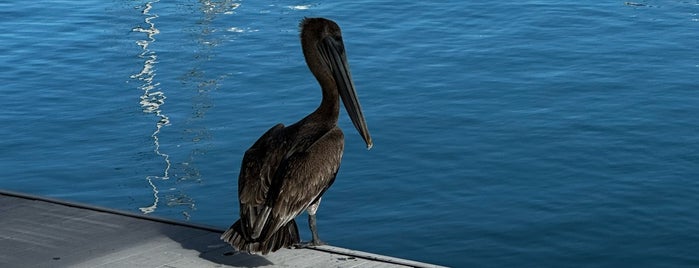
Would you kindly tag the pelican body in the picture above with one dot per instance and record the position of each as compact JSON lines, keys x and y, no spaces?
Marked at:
{"x":289,"y":168}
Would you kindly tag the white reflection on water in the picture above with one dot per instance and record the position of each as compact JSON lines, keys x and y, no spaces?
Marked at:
{"x":300,"y":7}
{"x":152,"y":99}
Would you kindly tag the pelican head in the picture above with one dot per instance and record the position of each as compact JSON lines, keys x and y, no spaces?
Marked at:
{"x":324,"y":51}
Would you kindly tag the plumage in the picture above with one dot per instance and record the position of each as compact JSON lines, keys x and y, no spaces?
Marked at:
{"x":287,"y":170}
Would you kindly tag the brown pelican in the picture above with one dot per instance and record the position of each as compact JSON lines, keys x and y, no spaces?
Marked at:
{"x":288,"y":169}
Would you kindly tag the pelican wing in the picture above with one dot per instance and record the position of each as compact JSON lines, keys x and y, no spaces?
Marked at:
{"x":303,"y":177}
{"x":259,"y":165}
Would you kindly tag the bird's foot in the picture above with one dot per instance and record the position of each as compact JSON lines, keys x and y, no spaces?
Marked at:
{"x":310,"y":244}
{"x":317,"y":242}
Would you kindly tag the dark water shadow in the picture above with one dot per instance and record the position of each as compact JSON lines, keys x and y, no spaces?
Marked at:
{"x":211,"y":248}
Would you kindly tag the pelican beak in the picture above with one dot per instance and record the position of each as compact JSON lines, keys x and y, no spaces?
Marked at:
{"x":334,"y":53}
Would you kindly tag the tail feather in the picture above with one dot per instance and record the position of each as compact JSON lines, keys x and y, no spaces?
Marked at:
{"x":286,"y":236}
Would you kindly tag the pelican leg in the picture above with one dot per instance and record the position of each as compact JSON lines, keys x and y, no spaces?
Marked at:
{"x":312,"y":224}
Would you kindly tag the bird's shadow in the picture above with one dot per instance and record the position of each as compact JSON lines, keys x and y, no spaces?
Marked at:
{"x":211,"y":248}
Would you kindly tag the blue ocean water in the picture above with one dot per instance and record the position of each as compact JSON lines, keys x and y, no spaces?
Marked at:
{"x":536,"y":133}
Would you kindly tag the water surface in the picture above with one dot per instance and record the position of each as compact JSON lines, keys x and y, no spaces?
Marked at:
{"x":544,"y":133}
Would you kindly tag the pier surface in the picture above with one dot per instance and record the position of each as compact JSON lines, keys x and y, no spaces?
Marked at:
{"x":44,"y":232}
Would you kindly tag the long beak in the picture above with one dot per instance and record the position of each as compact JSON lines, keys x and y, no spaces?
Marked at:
{"x":333,"y":50}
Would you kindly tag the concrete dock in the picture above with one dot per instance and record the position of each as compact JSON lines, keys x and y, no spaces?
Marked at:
{"x":43,"y":232}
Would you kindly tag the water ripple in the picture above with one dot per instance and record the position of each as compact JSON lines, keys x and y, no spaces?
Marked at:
{"x":152,"y":99}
